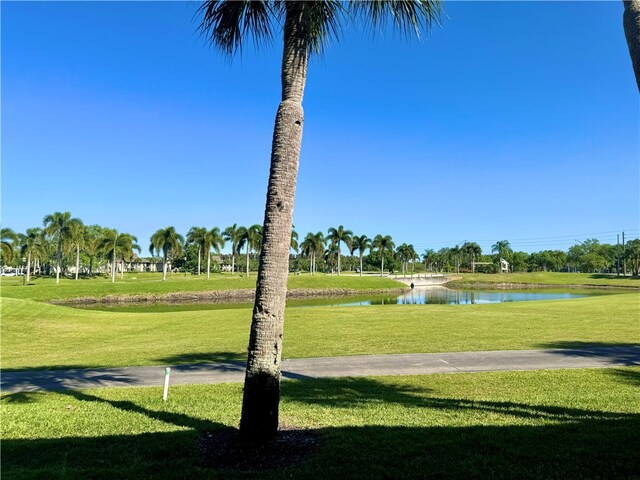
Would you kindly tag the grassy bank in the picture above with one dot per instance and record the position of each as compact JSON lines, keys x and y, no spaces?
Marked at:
{"x":545,"y":424}
{"x":545,"y":278}
{"x":39,"y":335}
{"x":45,"y":289}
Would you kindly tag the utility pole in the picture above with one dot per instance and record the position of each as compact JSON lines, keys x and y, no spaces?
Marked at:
{"x":624,"y":260}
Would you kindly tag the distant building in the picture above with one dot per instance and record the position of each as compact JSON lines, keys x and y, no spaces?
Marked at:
{"x":504,"y":266}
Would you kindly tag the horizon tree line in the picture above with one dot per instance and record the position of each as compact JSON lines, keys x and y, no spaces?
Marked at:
{"x":64,"y":242}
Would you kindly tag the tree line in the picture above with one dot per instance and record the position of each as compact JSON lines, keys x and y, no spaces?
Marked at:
{"x":65,"y":245}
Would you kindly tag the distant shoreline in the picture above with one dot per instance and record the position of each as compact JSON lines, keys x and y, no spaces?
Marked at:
{"x":222,"y":296}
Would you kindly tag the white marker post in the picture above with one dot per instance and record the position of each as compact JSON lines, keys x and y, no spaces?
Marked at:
{"x":167,"y":373}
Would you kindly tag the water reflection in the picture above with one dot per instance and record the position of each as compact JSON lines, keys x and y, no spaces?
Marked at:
{"x":446,"y":296}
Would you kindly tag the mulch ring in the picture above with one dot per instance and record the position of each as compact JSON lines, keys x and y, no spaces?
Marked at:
{"x":223,"y":449}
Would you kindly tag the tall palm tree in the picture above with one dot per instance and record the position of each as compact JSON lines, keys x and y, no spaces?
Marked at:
{"x":402,"y":253}
{"x":383,"y":244}
{"x":251,"y":238}
{"x":76,"y":240}
{"x":117,"y":246}
{"x":361,"y":244}
{"x":127,"y":247}
{"x":32,"y":246}
{"x":58,"y":226}
{"x":631,"y":23}
{"x":307,"y":247}
{"x":307,"y":27}
{"x":92,"y":236}
{"x":319,"y":242}
{"x":337,"y":236}
{"x":9,"y":239}
{"x":168,"y":242}
{"x":212,"y":239}
{"x":232,"y":234}
{"x":195,"y":236}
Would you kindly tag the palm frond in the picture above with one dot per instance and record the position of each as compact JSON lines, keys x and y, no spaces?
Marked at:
{"x":322,"y":21}
{"x":410,"y":17}
{"x":227,"y":23}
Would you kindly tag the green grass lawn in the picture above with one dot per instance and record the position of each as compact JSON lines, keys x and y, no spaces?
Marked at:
{"x":45,"y":289}
{"x":547,"y":278}
{"x":39,"y":335}
{"x":564,"y":424}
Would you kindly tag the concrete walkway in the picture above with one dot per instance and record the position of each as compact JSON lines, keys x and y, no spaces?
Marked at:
{"x":353,"y":366}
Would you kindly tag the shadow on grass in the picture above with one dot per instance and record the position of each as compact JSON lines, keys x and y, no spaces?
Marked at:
{"x":185,"y":359}
{"x":527,"y":441}
{"x":617,"y":352}
{"x":216,"y":361}
{"x":36,"y":380}
{"x":631,"y":377}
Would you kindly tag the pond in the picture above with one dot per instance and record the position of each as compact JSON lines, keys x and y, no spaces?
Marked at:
{"x":417,"y":296}
{"x":447,"y":296}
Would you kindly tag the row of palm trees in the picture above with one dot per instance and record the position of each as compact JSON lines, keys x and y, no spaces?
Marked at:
{"x":66,"y":240}
{"x":63,"y":236}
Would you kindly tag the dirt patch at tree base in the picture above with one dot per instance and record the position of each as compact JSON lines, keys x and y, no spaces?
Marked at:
{"x":223,"y":449}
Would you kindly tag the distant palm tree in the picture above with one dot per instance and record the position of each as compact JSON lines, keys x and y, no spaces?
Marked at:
{"x":92,"y":236}
{"x":32,"y":246}
{"x":117,"y":246}
{"x":212,"y":239}
{"x":306,"y":27}
{"x":472,"y":251}
{"x":250,"y":238}
{"x":58,"y":227}
{"x":232,"y":234}
{"x":402,"y":253}
{"x":429,"y":257}
{"x":501,"y":247}
{"x":76,"y":239}
{"x":9,"y":239}
{"x":337,"y":236}
{"x":307,"y":247}
{"x":168,"y":242}
{"x":127,"y":247}
{"x":195,"y":236}
{"x":331,"y":254}
{"x":361,"y":244}
{"x":383,"y":244}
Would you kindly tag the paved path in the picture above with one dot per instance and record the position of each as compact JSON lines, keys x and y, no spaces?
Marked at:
{"x":353,"y":366}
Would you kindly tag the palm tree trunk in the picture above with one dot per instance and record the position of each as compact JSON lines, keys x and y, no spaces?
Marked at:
{"x":381,"y":263}
{"x":164,"y":267}
{"x":233,"y":262}
{"x":338,"y":258}
{"x":247,"y":267}
{"x":58,"y":266}
{"x":28,"y":265}
{"x":113,"y":267}
{"x":208,"y":264}
{"x":77,"y":260}
{"x":122,"y":269}
{"x":361,"y":264}
{"x":199,"y":248}
{"x":631,"y":22}
{"x":261,"y":398}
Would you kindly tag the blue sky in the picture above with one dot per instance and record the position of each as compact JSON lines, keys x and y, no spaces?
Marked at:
{"x":513,"y":120}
